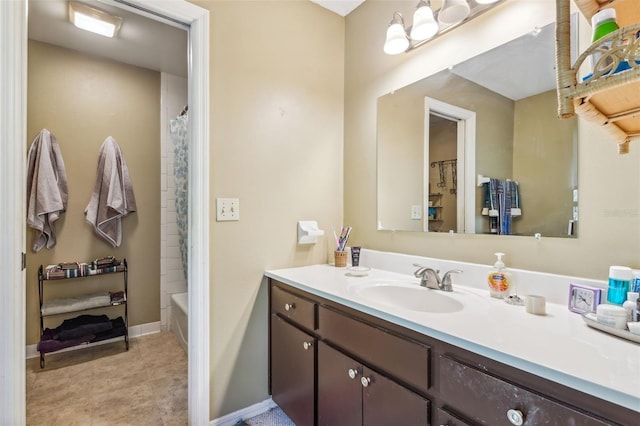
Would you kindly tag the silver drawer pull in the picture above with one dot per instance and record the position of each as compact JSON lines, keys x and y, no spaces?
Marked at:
{"x":515,"y":417}
{"x":365,"y":381}
{"x":353,"y":373}
{"x":289,"y":306}
{"x":307,"y":345}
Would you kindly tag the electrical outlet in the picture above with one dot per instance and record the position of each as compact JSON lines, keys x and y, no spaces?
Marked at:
{"x":227,"y":209}
{"x":416,"y":211}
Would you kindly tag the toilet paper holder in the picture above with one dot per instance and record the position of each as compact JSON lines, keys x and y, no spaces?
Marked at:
{"x":308,"y":232}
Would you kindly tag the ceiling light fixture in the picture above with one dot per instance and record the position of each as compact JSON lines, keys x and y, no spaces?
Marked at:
{"x":94,"y":20}
{"x":427,"y":24}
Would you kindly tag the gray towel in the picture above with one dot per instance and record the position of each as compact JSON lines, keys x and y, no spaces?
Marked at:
{"x":112,"y":197}
{"x":47,"y":191}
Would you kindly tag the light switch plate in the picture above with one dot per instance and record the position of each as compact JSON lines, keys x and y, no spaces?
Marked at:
{"x":227,"y":209}
{"x":416,"y":211}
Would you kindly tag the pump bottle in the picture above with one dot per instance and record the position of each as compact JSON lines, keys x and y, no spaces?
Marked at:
{"x":499,"y":280}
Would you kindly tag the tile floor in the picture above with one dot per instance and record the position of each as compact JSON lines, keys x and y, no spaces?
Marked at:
{"x":106,"y":385}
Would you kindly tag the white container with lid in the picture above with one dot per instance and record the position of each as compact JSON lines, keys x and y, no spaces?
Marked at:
{"x":612,"y":316}
{"x":630,"y":306}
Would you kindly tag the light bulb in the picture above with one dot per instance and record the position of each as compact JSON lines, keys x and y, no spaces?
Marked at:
{"x":424,"y":24}
{"x":397,"y":41}
{"x":453,"y":11}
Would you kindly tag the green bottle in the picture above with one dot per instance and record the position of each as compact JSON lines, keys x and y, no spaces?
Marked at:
{"x":603,"y":23}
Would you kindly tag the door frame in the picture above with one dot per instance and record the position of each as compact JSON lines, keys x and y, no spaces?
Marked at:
{"x":13,"y":117}
{"x":466,"y":161}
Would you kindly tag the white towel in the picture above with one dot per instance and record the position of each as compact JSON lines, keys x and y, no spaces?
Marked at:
{"x":47,"y":191}
{"x":112,"y":197}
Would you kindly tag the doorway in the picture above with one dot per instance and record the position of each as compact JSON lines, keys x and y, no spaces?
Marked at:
{"x":13,"y":33}
{"x":451,"y":174}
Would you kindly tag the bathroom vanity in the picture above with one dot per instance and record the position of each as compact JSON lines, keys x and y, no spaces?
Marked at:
{"x":342,"y":355}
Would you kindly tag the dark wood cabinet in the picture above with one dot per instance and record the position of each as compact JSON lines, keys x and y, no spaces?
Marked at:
{"x":350,"y":393}
{"x":489,"y":400}
{"x":293,"y":371}
{"x":339,"y":388}
{"x":442,"y":417}
{"x":409,"y":378}
{"x":397,"y":356}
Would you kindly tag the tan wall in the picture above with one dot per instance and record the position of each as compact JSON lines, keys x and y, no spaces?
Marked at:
{"x":82,"y":100}
{"x":543,"y":144}
{"x":609,"y":184}
{"x":277,"y":102}
{"x":400,"y":141}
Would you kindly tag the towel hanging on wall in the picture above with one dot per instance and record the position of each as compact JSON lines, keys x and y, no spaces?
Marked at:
{"x":47,"y":191}
{"x":112,"y":197}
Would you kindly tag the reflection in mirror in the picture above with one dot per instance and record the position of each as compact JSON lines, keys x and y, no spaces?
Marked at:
{"x":491,"y":118}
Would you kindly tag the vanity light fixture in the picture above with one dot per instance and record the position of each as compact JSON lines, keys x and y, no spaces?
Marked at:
{"x":94,"y":20}
{"x":427,"y":23}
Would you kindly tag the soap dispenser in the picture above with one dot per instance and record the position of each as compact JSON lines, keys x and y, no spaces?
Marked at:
{"x":499,"y":279}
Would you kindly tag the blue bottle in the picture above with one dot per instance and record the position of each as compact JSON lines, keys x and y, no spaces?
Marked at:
{"x":620,"y":278}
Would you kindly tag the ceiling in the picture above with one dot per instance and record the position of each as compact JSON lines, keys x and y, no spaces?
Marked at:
{"x":141,"y":41}
{"x":517,"y":69}
{"x":341,"y":7}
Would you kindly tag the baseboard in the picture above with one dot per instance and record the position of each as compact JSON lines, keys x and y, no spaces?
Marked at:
{"x":134,"y":331}
{"x":245,"y":413}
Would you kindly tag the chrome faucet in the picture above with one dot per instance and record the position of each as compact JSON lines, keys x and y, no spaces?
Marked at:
{"x":446,"y":279}
{"x":430,"y":278}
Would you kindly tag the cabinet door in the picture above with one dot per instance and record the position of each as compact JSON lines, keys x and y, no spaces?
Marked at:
{"x":384,"y":403}
{"x":339,"y":389}
{"x":293,"y":371}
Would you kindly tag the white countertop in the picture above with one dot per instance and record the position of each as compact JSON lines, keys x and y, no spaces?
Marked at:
{"x":558,"y":346}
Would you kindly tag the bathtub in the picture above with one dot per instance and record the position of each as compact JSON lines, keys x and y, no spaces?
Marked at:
{"x":180,"y":318}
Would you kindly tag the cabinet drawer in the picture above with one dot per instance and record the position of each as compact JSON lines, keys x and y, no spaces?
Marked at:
{"x":442,"y":417}
{"x":295,"y":308}
{"x":486,"y":399}
{"x":403,"y":359}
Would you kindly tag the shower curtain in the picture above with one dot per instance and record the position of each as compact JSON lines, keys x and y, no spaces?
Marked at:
{"x":179,"y":134}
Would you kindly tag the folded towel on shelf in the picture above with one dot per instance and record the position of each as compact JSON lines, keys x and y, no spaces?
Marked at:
{"x":78,"y":330}
{"x":82,"y":325}
{"x":112,"y":197}
{"x":47,"y":191}
{"x":61,"y":271}
{"x":118,"y":328}
{"x":71,"y":304}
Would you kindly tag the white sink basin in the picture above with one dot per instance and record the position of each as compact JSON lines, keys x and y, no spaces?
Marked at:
{"x":409,"y":296}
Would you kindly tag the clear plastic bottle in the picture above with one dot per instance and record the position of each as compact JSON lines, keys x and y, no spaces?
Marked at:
{"x":499,"y":280}
{"x":619,"y":282}
{"x":603,"y":23}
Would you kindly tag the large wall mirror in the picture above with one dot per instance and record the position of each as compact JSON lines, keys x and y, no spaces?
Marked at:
{"x":478,"y":148}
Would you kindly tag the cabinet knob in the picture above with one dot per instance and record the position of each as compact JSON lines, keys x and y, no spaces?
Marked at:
{"x":353,"y":373}
{"x":307,"y":345}
{"x":289,"y":306}
{"x":365,"y":381}
{"x":515,"y":417}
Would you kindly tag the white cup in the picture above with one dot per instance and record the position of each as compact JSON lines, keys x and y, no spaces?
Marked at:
{"x":535,"y":304}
